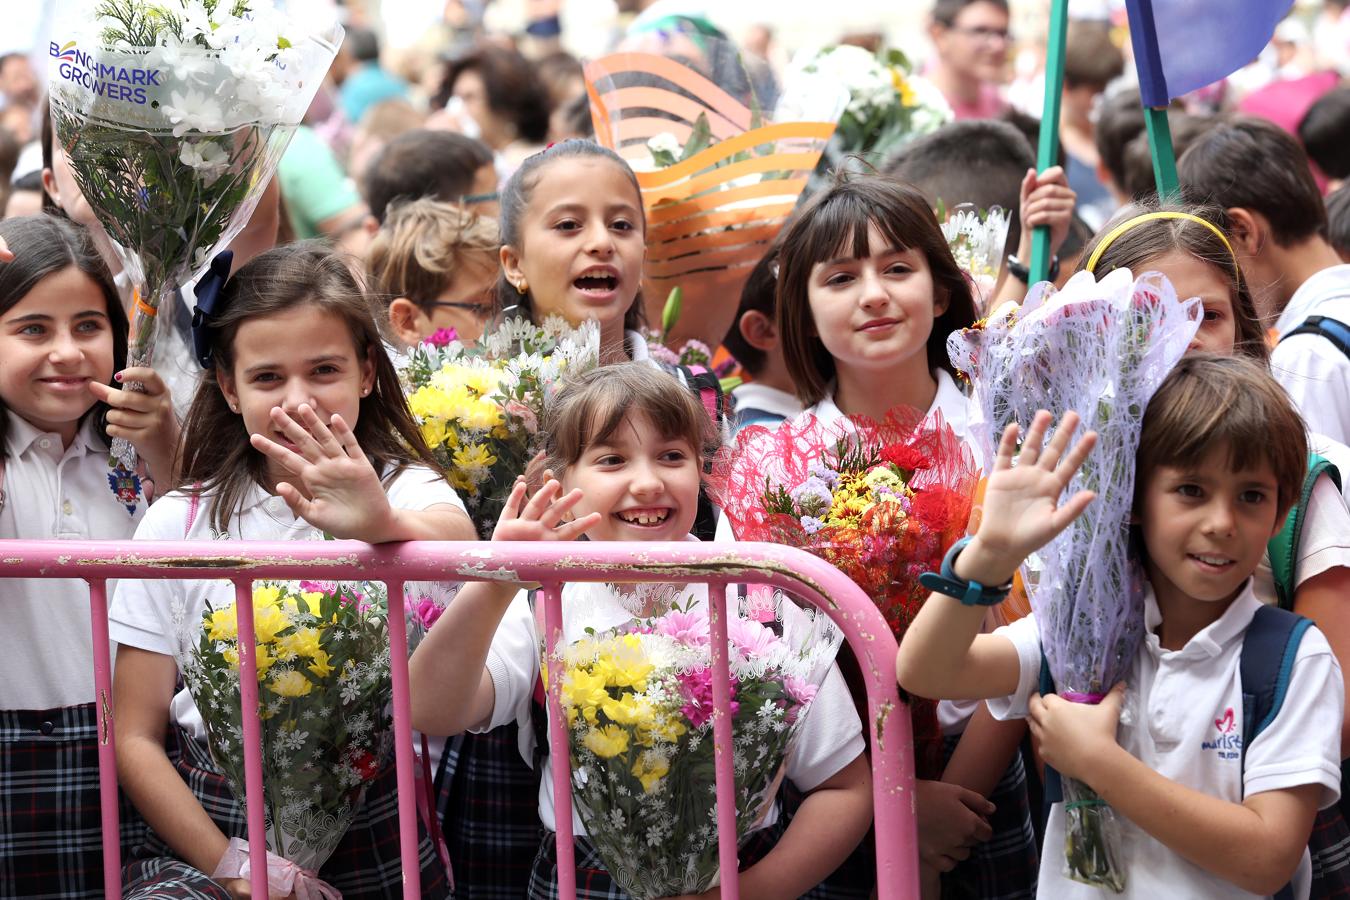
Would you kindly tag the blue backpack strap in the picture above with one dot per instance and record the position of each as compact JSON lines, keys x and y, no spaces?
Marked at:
{"x":1333,"y":330}
{"x":1269,"y":648}
{"x":1283,"y":548}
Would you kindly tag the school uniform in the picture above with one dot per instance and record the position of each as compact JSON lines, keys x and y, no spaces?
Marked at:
{"x":759,"y":404}
{"x":1182,"y":716}
{"x":1314,"y":371}
{"x":163,"y":617}
{"x":50,"y":824}
{"x":1003,"y":867}
{"x":830,"y":736}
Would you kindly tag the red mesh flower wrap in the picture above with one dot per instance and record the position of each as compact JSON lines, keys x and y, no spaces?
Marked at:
{"x":880,"y":501}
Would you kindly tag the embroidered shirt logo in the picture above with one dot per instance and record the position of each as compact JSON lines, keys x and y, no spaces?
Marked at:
{"x":1227,"y":743}
{"x":126,"y":487}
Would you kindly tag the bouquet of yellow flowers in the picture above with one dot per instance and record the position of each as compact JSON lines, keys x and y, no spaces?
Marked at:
{"x":479,"y":407}
{"x":322,"y":653}
{"x":639,"y":706}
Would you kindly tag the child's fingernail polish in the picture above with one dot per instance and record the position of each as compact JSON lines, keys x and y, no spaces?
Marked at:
{"x":117,"y":377}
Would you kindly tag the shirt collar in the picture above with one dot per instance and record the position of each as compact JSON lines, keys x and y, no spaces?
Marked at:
{"x":1214,"y":637}
{"x":1330,"y":281}
{"x":948,"y":397}
{"x":21,"y":435}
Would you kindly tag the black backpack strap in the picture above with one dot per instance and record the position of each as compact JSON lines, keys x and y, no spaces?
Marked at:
{"x":1053,"y":789}
{"x":1333,"y":330}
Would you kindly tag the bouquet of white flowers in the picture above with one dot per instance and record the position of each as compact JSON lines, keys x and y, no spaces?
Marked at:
{"x":173,"y":115}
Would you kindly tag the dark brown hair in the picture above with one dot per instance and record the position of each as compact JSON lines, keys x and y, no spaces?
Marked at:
{"x":513,"y":87}
{"x":1146,"y":242}
{"x":515,"y":200}
{"x":1253,"y":164}
{"x":591,"y":407}
{"x":44,"y":245}
{"x":946,"y":11}
{"x":1210,"y":400}
{"x":217,"y":456}
{"x":835,"y":222}
{"x":1091,"y":58}
{"x":423,"y":163}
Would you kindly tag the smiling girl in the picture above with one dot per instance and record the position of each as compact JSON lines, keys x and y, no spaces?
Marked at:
{"x":868,"y":293}
{"x":63,"y":343}
{"x":299,"y":431}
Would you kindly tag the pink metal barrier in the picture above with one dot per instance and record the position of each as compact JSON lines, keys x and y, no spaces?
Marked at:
{"x":551,"y":564}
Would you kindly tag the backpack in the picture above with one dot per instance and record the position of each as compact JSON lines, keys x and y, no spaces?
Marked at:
{"x":1333,"y":330}
{"x":1269,"y":648}
{"x":1283,"y":548}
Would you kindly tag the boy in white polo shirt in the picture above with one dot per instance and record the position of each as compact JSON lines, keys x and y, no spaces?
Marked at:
{"x":1221,"y":459}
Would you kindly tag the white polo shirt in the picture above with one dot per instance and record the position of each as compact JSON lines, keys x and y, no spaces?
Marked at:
{"x":1311,"y":368}
{"x":830,"y":737}
{"x":1183,"y":718}
{"x":164,"y":616}
{"x":51,"y":493}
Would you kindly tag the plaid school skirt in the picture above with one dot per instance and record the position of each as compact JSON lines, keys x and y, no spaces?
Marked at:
{"x":366,"y":864}
{"x":1005,"y":866}
{"x":51,"y":829}
{"x":487,"y":800}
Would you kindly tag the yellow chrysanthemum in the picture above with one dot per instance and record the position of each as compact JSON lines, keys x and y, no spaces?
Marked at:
{"x":321,"y":666}
{"x":301,"y":642}
{"x":902,"y":86}
{"x":266,"y":595}
{"x":473,"y":458}
{"x":223,"y":624}
{"x":585,"y":692}
{"x":290,"y":684}
{"x":262,"y":656}
{"x":650,"y":768}
{"x":268,"y":621}
{"x":607,"y":742}
{"x":629,"y":710}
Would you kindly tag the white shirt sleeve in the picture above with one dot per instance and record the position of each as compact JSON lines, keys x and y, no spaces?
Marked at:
{"x":1325,"y":542}
{"x":1316,"y":376}
{"x":513,"y":665}
{"x":1303,"y":744}
{"x":1026,"y":638}
{"x":418,"y":487}
{"x":140,"y":614}
{"x":830,"y":736}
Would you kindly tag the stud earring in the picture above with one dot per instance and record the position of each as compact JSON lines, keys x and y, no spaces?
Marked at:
{"x":522,"y":287}
{"x":234,"y":407}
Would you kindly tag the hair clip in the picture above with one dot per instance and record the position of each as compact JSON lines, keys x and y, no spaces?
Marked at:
{"x":208,"y":290}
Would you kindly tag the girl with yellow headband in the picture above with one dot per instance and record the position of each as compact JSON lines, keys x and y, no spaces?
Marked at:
{"x":1188,"y":244}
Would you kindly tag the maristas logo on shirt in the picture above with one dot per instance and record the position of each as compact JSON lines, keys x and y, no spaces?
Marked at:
{"x":124,"y":83}
{"x":1227,"y":742}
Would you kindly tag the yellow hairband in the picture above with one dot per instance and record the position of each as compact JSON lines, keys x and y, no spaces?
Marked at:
{"x":1125,"y":226}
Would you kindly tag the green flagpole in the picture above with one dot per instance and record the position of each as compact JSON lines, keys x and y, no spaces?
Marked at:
{"x":1164,"y":157}
{"x":1047,"y":150}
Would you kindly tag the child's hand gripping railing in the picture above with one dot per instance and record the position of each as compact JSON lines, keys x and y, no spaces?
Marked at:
{"x":551,"y":564}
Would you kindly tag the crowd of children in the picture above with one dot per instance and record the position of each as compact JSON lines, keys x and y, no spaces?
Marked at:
{"x":277,"y":414}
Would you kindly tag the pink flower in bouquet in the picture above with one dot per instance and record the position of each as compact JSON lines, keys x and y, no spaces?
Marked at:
{"x":751,"y":638}
{"x":696,"y":686}
{"x":689,"y":628}
{"x":427,"y":611}
{"x":662,"y":354}
{"x":518,"y":410}
{"x":322,"y":587}
{"x":441,"y":337}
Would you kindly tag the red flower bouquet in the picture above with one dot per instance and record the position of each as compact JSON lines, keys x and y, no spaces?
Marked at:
{"x":880,"y":501}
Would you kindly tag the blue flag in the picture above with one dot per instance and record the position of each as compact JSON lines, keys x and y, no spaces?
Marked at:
{"x":1182,"y":45}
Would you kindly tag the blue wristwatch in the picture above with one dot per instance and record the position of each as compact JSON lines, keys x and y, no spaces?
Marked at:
{"x":971,"y":593}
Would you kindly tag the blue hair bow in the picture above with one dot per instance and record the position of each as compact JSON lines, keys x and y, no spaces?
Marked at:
{"x":208,"y":291}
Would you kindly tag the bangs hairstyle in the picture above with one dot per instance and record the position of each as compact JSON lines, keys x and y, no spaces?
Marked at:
{"x":835,"y":223}
{"x":515,"y":200}
{"x":44,"y":245}
{"x":424,"y":245}
{"x":590,"y":408}
{"x":217,"y":455}
{"x":1140,"y":247}
{"x":1210,"y":401}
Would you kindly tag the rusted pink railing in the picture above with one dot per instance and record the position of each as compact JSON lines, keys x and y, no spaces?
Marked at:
{"x":551,"y":564}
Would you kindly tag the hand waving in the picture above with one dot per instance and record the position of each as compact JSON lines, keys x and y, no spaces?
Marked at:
{"x":339,"y":491}
{"x":1022,"y":511}
{"x":540,"y":519}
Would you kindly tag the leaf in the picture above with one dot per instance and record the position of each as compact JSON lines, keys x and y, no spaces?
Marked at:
{"x":700,"y":137}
